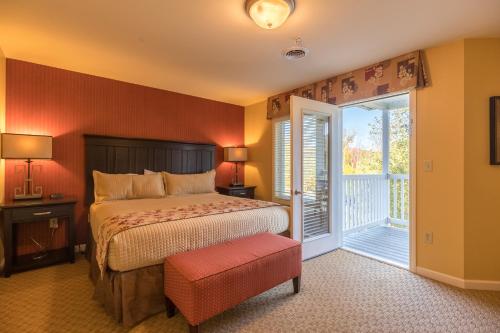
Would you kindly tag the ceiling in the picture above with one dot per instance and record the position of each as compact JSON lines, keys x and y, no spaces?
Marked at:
{"x":211,"y":49}
{"x":391,"y":103}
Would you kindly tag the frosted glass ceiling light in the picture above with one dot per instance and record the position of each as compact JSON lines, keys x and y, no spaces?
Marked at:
{"x":269,"y":14}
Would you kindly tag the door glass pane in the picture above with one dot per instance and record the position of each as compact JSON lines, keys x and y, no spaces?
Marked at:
{"x":315,"y":153}
{"x":282,"y":159}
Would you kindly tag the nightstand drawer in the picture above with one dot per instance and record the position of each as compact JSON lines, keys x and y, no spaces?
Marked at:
{"x":239,"y":193}
{"x":31,"y":213}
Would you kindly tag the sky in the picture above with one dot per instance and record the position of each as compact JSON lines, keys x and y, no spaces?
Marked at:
{"x":357,"y":119}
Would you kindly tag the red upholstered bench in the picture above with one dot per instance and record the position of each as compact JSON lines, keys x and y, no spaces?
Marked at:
{"x":205,"y":282}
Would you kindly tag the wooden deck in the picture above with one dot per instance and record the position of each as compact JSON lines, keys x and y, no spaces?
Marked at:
{"x":381,"y":242}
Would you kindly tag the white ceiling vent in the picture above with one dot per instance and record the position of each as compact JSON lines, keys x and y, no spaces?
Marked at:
{"x":296,"y":52}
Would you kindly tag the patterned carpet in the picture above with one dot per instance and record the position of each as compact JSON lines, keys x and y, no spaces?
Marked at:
{"x":341,"y":292}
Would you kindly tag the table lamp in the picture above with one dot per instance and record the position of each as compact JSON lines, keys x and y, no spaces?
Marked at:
{"x":26,"y":147}
{"x":236,"y":155}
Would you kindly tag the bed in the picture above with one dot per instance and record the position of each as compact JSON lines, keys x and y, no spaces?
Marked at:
{"x":131,"y":285}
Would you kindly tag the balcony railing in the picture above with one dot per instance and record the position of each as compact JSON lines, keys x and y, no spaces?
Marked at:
{"x":399,"y":190}
{"x":371,"y":200}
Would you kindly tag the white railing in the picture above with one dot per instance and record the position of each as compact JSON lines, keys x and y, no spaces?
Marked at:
{"x":371,"y":200}
{"x":399,"y":208}
{"x":365,"y":201}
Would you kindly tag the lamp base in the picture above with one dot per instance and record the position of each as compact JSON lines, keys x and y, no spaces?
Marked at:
{"x":27,"y":196}
{"x":237,"y":185}
{"x":28,"y":191}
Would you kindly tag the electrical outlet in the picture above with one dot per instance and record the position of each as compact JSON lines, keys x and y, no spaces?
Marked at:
{"x":53,"y":223}
{"x":429,"y":238}
{"x":80,"y":248}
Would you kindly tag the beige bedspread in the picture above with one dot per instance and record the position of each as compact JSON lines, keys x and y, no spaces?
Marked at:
{"x":149,"y":244}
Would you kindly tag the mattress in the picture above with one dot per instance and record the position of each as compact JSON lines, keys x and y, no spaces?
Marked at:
{"x":149,"y":244}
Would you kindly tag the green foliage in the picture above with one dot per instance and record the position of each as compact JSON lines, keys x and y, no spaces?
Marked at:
{"x":399,"y":147}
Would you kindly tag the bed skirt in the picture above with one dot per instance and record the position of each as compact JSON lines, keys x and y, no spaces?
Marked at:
{"x":129,"y":297}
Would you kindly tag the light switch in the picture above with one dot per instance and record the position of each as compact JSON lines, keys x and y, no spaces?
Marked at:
{"x":429,"y":238}
{"x":428,"y":167}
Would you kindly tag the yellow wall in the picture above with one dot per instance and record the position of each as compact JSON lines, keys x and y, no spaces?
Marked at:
{"x":258,"y":138}
{"x":482,"y":181}
{"x":2,"y":116}
{"x":440,"y":193}
{"x":458,"y":201}
{"x":2,"y":129}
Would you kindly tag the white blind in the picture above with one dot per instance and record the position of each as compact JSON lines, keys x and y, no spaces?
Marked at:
{"x":315,"y":152}
{"x":282,"y":159}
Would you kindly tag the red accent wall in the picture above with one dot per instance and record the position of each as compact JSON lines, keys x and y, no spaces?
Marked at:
{"x":66,"y":105}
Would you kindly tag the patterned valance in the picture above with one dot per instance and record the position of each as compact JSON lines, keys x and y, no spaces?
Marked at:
{"x":386,"y":77}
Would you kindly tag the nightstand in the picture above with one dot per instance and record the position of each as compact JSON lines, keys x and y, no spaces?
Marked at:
{"x":238,"y":191}
{"x":39,"y":211}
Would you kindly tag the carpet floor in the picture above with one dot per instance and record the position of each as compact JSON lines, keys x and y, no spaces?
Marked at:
{"x":341,"y":292}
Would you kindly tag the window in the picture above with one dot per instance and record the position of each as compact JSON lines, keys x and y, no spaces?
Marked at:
{"x":282,"y":167}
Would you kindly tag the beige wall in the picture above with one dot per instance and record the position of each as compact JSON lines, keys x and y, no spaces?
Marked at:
{"x":482,"y":181}
{"x":440,"y":193}
{"x":456,"y":201}
{"x":258,"y":138}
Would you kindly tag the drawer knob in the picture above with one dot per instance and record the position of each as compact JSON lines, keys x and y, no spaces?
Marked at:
{"x":42,"y":213}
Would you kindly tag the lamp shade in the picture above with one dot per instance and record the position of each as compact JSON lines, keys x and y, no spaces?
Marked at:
{"x":235,"y":154}
{"x":25,"y":146}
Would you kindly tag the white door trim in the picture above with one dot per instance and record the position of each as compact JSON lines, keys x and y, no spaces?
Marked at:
{"x":413,"y":180}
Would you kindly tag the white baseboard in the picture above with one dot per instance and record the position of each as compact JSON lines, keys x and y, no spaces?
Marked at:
{"x":458,"y":282}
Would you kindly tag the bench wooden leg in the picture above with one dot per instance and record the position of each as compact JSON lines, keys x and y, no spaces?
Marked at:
{"x":170,"y":307}
{"x":194,"y":328}
{"x":296,"y":284}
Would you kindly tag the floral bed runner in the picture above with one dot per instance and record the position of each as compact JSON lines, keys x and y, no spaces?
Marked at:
{"x":115,"y":224}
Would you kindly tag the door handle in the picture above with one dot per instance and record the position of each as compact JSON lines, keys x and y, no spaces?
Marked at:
{"x":297,"y":192}
{"x":42,"y":213}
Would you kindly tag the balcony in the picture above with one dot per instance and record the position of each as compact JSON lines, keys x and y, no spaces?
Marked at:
{"x":376,"y":216}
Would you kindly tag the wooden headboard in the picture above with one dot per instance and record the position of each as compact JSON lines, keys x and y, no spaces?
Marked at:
{"x":126,"y":155}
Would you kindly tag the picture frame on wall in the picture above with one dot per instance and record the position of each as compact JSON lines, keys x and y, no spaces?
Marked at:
{"x":495,"y":130}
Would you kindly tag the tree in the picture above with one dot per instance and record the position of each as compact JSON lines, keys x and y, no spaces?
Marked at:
{"x":399,"y":143}
{"x":357,"y":160}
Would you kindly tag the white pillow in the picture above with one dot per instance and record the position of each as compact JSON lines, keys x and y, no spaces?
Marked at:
{"x":190,"y":183}
{"x":147,"y":186}
{"x":111,"y":186}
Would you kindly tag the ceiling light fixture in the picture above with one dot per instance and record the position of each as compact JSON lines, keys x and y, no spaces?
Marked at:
{"x":269,"y":14}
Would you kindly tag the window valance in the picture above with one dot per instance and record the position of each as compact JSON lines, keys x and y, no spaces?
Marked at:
{"x":398,"y":74}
